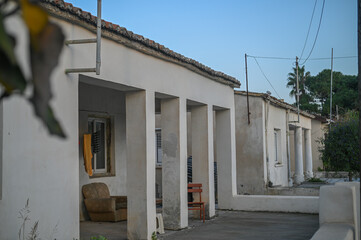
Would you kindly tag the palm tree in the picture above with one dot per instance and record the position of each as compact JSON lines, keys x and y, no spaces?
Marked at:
{"x":292,"y":81}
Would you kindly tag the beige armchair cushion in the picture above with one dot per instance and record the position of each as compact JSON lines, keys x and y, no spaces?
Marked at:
{"x":101,"y":206}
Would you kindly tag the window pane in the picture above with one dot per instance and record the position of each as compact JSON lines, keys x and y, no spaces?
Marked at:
{"x":100,"y":155}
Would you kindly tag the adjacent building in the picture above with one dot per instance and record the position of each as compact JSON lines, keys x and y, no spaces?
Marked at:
{"x":269,"y":135}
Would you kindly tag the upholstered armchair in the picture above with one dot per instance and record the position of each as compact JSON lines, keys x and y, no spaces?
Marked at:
{"x":101,"y":206}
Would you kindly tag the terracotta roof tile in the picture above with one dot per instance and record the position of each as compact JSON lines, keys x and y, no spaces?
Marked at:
{"x":88,"y":17}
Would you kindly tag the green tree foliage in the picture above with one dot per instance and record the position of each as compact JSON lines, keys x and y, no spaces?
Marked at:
{"x":340,"y":146}
{"x":306,"y":100}
{"x":344,"y":91}
{"x":315,"y":91}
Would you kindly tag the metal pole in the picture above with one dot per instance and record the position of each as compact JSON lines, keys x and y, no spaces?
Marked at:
{"x":248,"y":113}
{"x":297,"y":92}
{"x":99,"y":36}
{"x":359,"y":72}
{"x":79,"y":70}
{"x":331,"y":88}
{"x":80,"y":41}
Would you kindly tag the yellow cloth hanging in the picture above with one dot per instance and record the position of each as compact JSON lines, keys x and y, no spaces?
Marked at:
{"x":87,"y":153}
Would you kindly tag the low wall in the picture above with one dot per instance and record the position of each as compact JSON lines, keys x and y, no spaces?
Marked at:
{"x":268,"y":203}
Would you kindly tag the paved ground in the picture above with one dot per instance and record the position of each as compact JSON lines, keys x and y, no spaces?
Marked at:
{"x":227,"y":225}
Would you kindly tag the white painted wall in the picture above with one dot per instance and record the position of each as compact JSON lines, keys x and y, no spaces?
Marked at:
{"x":39,"y":167}
{"x":267,"y":203}
{"x":103,"y":102}
{"x":278,"y":174}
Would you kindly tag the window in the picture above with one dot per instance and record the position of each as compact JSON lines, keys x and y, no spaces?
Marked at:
{"x":100,"y":127}
{"x":158,"y":143}
{"x":277,"y":146}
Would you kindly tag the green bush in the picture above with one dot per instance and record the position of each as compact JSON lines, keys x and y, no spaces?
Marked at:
{"x":340,"y":146}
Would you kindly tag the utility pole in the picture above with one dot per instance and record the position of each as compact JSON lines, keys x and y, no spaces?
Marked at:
{"x":331,"y":88}
{"x":297,"y":92}
{"x":359,"y":71}
{"x":248,"y":113}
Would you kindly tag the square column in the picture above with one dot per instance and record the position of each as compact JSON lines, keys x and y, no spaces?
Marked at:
{"x":308,"y":154}
{"x":299,"y":178}
{"x":140,"y":139}
{"x":226,"y":158}
{"x":202,"y":155}
{"x":174,"y":163}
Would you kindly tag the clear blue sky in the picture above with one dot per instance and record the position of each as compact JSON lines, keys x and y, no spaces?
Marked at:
{"x":219,"y":33}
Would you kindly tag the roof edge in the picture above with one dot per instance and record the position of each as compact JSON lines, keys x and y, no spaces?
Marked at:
{"x":66,"y":11}
{"x":275,"y":101}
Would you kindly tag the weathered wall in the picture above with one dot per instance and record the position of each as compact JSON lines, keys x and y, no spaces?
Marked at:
{"x":100,"y":101}
{"x":317,"y":133}
{"x":250,"y":150}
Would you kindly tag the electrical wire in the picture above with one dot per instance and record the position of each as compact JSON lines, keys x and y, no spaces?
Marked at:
{"x":318,"y":30}
{"x":266,"y":77}
{"x":281,"y":58}
{"x":309,"y":28}
{"x":328,"y":58}
{"x":286,"y":58}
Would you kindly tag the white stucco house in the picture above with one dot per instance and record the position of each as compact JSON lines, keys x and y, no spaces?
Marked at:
{"x":138,"y":79}
{"x":263,"y":143}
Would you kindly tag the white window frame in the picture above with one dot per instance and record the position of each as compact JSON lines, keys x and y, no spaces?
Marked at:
{"x":95,"y":120}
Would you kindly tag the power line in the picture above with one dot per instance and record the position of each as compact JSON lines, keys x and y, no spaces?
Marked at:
{"x":318,"y":30}
{"x":266,"y":77}
{"x":286,"y":58}
{"x":281,"y":58}
{"x":309,"y":27}
{"x":328,"y":58}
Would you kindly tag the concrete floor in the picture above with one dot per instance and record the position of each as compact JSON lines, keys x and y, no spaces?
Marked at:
{"x":227,"y":225}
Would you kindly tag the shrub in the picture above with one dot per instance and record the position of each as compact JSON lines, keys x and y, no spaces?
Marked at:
{"x":340,"y":146}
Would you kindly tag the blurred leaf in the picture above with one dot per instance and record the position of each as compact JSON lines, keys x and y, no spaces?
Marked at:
{"x":11,"y":76}
{"x":35,"y":19}
{"x":6,"y":44}
{"x":44,"y":59}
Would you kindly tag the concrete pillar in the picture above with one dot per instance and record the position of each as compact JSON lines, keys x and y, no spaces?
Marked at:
{"x":140,"y":139}
{"x":202,"y":154}
{"x":299,"y":178}
{"x":174,"y":163}
{"x":226,"y":158}
{"x":308,"y":154}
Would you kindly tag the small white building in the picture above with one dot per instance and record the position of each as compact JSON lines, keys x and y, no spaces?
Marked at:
{"x":263,"y":143}
{"x":138,"y":78}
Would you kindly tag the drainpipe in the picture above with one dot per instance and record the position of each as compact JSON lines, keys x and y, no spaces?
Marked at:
{"x":266,"y":141}
{"x":290,"y":182}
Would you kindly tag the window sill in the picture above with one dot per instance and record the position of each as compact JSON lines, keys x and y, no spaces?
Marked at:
{"x":100,"y":175}
{"x":279,"y":165}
